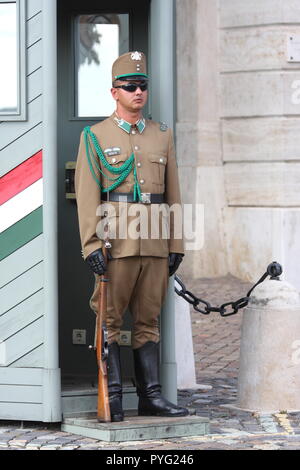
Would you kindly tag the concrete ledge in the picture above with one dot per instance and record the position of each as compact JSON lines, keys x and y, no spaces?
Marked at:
{"x":137,"y":428}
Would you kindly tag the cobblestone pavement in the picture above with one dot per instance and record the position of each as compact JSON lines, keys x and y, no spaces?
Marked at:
{"x":216,"y":349}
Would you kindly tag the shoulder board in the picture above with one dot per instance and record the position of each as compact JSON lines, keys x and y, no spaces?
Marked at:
{"x":163,"y":126}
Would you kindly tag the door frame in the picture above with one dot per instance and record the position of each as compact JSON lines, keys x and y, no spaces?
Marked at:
{"x":163,"y":109}
{"x":52,"y":385}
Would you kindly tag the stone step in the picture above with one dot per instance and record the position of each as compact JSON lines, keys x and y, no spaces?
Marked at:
{"x":136,"y":428}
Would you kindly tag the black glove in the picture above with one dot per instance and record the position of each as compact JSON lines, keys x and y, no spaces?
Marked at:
{"x":97,"y":262}
{"x":174,"y":262}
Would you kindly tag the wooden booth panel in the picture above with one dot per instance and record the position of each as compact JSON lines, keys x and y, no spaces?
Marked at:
{"x":22,"y":343}
{"x":21,"y":394}
{"x":22,"y":260}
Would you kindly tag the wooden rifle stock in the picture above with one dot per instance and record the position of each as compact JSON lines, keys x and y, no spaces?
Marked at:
{"x":103,"y":411}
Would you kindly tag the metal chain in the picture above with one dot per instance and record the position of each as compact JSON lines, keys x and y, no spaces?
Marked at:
{"x":274,"y":270}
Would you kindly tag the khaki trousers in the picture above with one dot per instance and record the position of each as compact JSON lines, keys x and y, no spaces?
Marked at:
{"x":139,"y":283}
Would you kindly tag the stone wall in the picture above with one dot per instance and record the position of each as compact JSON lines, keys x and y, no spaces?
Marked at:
{"x":243,"y":133}
{"x":199,"y":145}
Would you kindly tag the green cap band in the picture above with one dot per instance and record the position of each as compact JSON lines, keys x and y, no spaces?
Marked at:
{"x":131,"y":75}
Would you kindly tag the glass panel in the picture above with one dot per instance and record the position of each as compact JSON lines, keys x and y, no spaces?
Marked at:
{"x":100,"y":39}
{"x":8,"y":59}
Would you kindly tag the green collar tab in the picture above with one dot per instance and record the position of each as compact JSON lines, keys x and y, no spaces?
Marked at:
{"x":141,"y":124}
{"x":126,"y":126}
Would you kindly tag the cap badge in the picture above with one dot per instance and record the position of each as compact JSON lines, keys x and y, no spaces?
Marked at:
{"x":136,"y":56}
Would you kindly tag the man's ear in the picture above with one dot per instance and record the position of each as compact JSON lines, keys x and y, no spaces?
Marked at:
{"x":114,"y":93}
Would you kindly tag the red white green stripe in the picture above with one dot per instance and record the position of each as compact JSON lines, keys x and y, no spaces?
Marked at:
{"x":21,"y":205}
{"x":21,"y":201}
{"x":21,"y":177}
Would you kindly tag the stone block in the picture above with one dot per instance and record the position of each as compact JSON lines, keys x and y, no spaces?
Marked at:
{"x":198,"y":143}
{"x":250,"y":251}
{"x":235,"y":13}
{"x":260,"y":48}
{"x":291,"y":11}
{"x":187,"y":66}
{"x":263,"y":184}
{"x":204,"y":188}
{"x":260,"y":94}
{"x":252,"y":94}
{"x":261,"y":139}
{"x":291,"y":93}
{"x":290,"y":245}
{"x":197,"y":60}
{"x":257,"y":236}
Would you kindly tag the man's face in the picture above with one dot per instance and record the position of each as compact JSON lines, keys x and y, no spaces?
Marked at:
{"x":130,"y":100}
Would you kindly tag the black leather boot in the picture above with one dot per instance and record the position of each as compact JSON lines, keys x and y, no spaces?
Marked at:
{"x":151,"y":402}
{"x":114,"y":383}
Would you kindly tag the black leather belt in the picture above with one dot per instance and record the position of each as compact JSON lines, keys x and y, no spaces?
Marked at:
{"x":146,"y":198}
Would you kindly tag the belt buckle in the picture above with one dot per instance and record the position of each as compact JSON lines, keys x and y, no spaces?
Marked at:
{"x":146,"y":198}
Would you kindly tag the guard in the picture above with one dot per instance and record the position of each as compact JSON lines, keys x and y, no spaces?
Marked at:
{"x":126,"y":165}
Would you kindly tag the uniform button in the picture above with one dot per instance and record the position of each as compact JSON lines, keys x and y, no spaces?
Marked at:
{"x":161,"y":160}
{"x":139,"y":165}
{"x":142,"y":181}
{"x":136,"y":147}
{"x":133,"y":132}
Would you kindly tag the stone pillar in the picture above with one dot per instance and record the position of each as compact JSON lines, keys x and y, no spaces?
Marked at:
{"x":269,"y":372}
{"x":199,"y":133}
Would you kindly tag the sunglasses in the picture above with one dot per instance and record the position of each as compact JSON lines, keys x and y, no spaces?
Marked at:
{"x":131,"y":87}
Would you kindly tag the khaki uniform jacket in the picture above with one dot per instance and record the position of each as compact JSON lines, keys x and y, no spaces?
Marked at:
{"x":157,"y":173}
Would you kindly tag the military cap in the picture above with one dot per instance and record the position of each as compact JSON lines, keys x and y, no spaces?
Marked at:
{"x":130,"y":65}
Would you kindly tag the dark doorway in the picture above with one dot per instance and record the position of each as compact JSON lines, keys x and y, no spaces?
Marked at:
{"x":85,"y":31}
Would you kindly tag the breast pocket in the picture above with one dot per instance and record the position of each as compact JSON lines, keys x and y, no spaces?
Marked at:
{"x":117,"y":160}
{"x":158,"y":168}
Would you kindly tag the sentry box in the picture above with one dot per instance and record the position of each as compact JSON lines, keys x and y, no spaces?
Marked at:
{"x":46,"y":374}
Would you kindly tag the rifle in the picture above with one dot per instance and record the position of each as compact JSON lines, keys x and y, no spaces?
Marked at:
{"x":103,"y":411}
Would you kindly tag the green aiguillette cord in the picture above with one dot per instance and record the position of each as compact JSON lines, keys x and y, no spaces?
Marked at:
{"x":122,"y":171}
